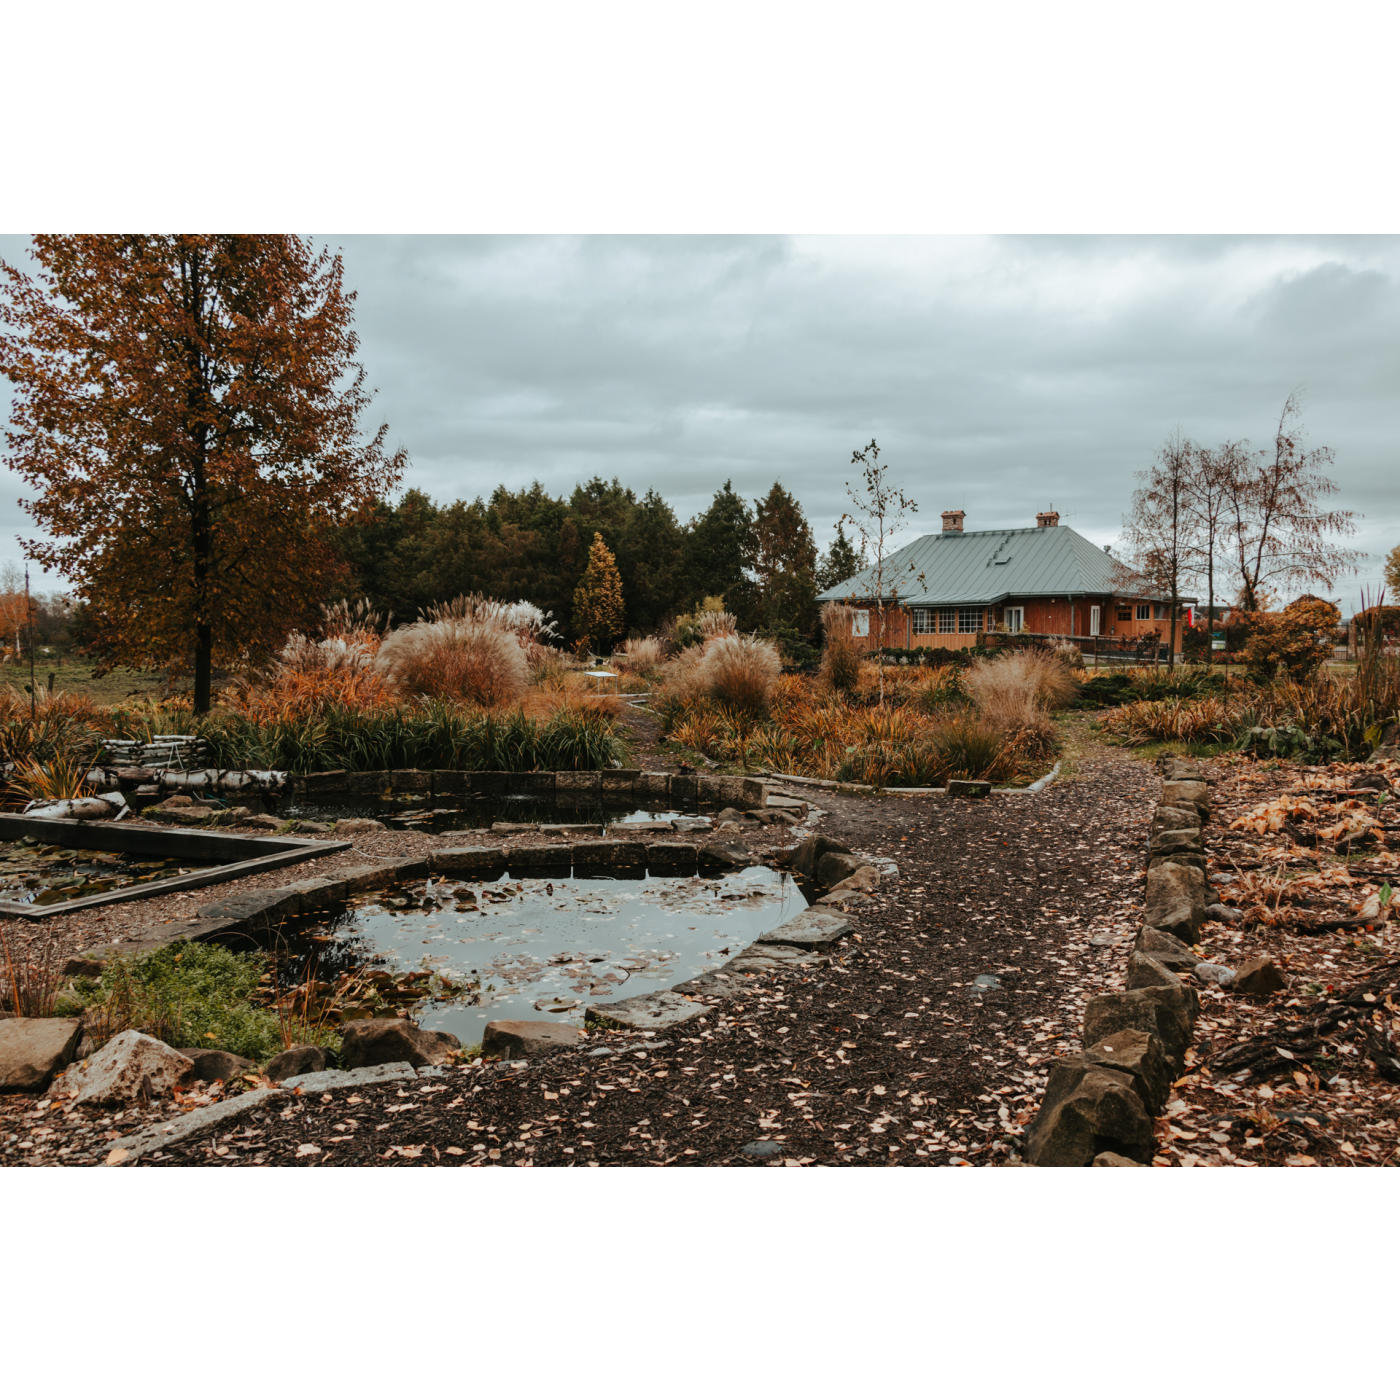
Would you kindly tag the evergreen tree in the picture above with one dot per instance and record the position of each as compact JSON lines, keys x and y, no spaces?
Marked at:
{"x":716,"y":548}
{"x":598,"y":605}
{"x":842,"y":561}
{"x":783,"y":555}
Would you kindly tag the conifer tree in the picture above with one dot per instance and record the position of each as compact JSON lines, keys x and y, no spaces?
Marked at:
{"x":598,"y":606}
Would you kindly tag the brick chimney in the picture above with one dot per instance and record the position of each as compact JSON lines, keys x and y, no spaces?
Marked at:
{"x":953,"y":520}
{"x":1045,"y":518}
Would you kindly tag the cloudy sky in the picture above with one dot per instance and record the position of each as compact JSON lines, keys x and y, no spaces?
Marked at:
{"x":999,"y":375}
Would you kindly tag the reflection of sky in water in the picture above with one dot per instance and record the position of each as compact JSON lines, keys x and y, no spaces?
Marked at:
{"x":438,"y":814}
{"x":575,"y":940}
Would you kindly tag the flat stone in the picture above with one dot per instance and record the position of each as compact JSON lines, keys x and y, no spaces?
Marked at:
{"x":528,"y":857}
{"x":528,"y":1040}
{"x":210,"y":1066}
{"x":466,"y":858}
{"x":410,"y":780}
{"x":129,"y":1067}
{"x":767,"y":957}
{"x":968,"y":787}
{"x":254,"y":909}
{"x":652,"y":785}
{"x":299,"y":1060}
{"x":125,"y":1152}
{"x":1114,"y":1159}
{"x":587,"y":853}
{"x":1259,"y":978}
{"x":731,"y":854}
{"x":811,"y":929}
{"x":578,"y":782}
{"x":655,"y":1011}
{"x":358,"y":826}
{"x":619,"y":779}
{"x":316,"y":893}
{"x":34,"y":1048}
{"x":1167,"y":844}
{"x":762,"y":1149}
{"x":1175,"y":819}
{"x":152,"y":936}
{"x":376,"y":877}
{"x":672,"y":854}
{"x":323,"y":1081}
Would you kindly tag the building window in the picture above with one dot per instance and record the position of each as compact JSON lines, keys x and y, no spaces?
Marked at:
{"x":1125,"y":612}
{"x":969,"y":620}
{"x":1144,"y":612}
{"x":860,"y":623}
{"x":1159,"y":611}
{"x":947,"y":619}
{"x":923,"y":621}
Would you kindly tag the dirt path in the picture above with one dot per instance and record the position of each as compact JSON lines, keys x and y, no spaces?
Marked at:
{"x":892,"y":1055}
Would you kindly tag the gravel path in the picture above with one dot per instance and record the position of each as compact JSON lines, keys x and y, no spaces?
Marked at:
{"x":892,"y":1055}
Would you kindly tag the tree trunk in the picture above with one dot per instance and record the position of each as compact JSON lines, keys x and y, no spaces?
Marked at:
{"x":203,"y":667}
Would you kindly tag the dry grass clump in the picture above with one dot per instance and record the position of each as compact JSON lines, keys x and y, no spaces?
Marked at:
{"x":457,"y":658}
{"x":740,"y":671}
{"x":1206,"y":719}
{"x":1034,"y":675}
{"x":840,"y":655}
{"x":713,"y":622}
{"x":641,"y":654}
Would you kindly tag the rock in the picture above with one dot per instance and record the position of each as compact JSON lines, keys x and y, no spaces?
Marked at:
{"x":656,"y":1011}
{"x":83,"y":967}
{"x":461,"y":858}
{"x":846,"y":899}
{"x":762,"y":1149}
{"x":1186,"y":794}
{"x":777,"y":817}
{"x":1099,"y":1113}
{"x":1175,"y":900}
{"x":968,"y":787}
{"x":864,"y":880}
{"x":306,"y":828}
{"x":129,"y":1067}
{"x":1140,"y":1056}
{"x":806,"y":854}
{"x":1175,"y":819}
{"x":124,"y":1152}
{"x":528,"y":1040}
{"x":1223,"y":914}
{"x":1213,"y":974}
{"x":731,"y":814}
{"x":1145,"y":1009}
{"x":327,"y":1079}
{"x":393,"y":1039}
{"x":812,"y":928}
{"x":358,"y":826}
{"x":300,"y":1059}
{"x":1168,"y":950}
{"x":212,"y":1065}
{"x":1259,"y":978}
{"x":1167,"y":844}
{"x":726,"y":853}
{"x":835,"y":867}
{"x":254,"y":910}
{"x":1114,"y":1159}
{"x":1145,"y":971}
{"x":34,"y":1048}
{"x":264,"y":821}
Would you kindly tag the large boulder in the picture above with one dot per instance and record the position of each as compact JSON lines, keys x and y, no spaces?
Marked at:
{"x":1097,"y":1111}
{"x":528,"y":1040}
{"x":806,"y":854}
{"x":34,"y":1048}
{"x":392,"y":1039}
{"x":837,"y":866}
{"x":1176,"y":900}
{"x":1148,"y":1009}
{"x":130,"y":1067}
{"x":211,"y":1065}
{"x":300,"y":1059}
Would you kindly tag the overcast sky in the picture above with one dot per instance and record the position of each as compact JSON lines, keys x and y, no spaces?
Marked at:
{"x":999,"y":375}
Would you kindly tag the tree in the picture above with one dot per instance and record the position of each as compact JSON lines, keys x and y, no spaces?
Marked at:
{"x":188,"y":407}
{"x":1392,"y":570}
{"x":880,"y":511}
{"x":1161,"y":533}
{"x":1207,"y":498}
{"x":718,"y":545}
{"x":598,"y":607}
{"x":843,"y":560}
{"x":783,"y":554}
{"x":1278,"y":530}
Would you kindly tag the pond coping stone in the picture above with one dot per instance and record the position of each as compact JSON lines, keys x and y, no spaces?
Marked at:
{"x":671,"y":854}
{"x":319,"y":1081}
{"x":527,"y":857}
{"x":587,"y":853}
{"x":813,"y":929}
{"x":654,"y":1011}
{"x":125,"y":1152}
{"x":411,"y":780}
{"x":466,"y":858}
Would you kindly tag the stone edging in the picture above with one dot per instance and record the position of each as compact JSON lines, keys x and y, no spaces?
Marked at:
{"x":1100,"y":1103}
{"x":1039,"y":785}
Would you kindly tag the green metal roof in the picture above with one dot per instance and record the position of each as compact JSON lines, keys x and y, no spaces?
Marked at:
{"x":988,"y":566}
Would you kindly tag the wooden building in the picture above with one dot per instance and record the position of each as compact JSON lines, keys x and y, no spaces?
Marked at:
{"x":952,"y":588}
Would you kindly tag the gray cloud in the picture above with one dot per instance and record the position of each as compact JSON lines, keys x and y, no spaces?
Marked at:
{"x":997,"y":374}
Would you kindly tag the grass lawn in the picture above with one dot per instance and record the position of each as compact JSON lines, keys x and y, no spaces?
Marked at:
{"x":75,"y":674}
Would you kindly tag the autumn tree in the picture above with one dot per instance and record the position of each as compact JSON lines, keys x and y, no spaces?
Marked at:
{"x":1279,"y":532}
{"x":1161,"y":533}
{"x":842,"y":561}
{"x":1392,"y":571}
{"x":598,"y":605}
{"x":783,"y":555}
{"x":188,"y":408}
{"x":878,"y":511}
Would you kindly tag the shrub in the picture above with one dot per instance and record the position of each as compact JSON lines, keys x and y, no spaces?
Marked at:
{"x":1288,"y":640}
{"x":740,"y":671}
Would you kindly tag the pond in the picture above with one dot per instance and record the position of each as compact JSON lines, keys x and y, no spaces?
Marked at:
{"x":545,"y":949}
{"x":414,"y":812}
{"x":32,"y":872}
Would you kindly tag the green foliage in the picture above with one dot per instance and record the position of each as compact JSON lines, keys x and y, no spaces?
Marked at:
{"x":189,"y":994}
{"x":842,"y":561}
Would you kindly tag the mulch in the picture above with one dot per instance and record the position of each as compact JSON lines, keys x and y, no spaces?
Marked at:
{"x":892,"y":1055}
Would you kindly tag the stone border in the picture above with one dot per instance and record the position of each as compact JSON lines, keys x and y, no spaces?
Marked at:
{"x":1100,"y":1104}
{"x":705,"y":788}
{"x":1039,"y":785}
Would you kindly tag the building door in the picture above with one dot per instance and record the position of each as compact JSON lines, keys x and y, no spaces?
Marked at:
{"x":1094,"y":621}
{"x":1015,"y":619}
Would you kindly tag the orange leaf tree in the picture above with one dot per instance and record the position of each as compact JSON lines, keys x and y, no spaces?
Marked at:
{"x":188,"y":406}
{"x":598,"y":608}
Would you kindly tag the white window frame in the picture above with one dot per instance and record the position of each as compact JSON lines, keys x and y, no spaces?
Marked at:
{"x":924,"y":622}
{"x":1142,"y":612}
{"x":973,"y":615}
{"x":860,"y":622}
{"x":1015,"y":619}
{"x":948,"y":621}
{"x":1095,"y":619}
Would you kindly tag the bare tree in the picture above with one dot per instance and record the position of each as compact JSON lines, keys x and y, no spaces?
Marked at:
{"x":878,"y":514}
{"x":1208,"y":494}
{"x":1160,"y":531}
{"x":1279,"y":532}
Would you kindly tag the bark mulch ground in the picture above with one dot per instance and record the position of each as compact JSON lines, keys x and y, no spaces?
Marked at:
{"x":896,"y":1054}
{"x":1310,"y":1075}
